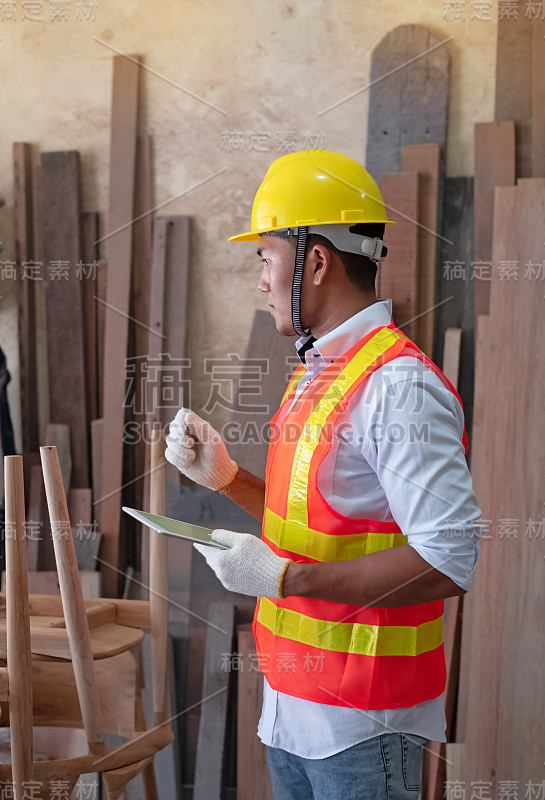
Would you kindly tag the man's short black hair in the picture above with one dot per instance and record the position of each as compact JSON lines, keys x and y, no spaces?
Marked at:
{"x":361,"y":271}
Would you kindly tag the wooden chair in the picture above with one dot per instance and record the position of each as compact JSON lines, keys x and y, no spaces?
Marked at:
{"x":68,"y":659}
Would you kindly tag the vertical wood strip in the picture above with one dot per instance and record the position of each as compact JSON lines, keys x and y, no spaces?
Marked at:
{"x":174,"y":347}
{"x":100,"y":300}
{"x":89,"y":230}
{"x":24,"y":252}
{"x":153,"y":381}
{"x":399,"y":272}
{"x":211,"y":742}
{"x":252,"y":770}
{"x":119,"y":255}
{"x":140,"y":295}
{"x":424,"y":159}
{"x":494,"y":166}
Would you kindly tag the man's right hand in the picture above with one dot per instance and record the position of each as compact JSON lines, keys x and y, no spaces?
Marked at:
{"x":198,"y":451}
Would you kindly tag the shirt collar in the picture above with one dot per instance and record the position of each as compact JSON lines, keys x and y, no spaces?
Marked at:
{"x":344,"y":336}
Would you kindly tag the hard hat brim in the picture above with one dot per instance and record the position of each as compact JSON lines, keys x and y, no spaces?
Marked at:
{"x":253,"y":236}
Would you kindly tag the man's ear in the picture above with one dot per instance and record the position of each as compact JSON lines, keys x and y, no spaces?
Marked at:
{"x":319,"y":263}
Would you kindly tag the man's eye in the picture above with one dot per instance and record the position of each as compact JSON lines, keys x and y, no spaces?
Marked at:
{"x":265,"y":261}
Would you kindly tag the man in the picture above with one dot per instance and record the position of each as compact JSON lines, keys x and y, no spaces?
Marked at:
{"x":368,"y":508}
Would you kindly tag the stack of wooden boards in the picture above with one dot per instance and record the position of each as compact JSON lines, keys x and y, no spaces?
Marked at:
{"x":110,"y":327}
{"x":499,"y":713}
{"x":115,"y":325}
{"x":501,"y":697}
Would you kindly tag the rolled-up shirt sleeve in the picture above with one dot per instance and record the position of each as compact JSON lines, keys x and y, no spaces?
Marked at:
{"x":413,"y":442}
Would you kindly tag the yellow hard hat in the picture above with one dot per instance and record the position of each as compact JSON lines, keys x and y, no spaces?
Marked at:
{"x":314,"y":187}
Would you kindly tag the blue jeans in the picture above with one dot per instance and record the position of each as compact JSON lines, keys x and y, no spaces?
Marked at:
{"x":386,"y":767}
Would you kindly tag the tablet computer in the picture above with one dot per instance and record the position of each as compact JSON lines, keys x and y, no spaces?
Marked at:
{"x":174,"y":527}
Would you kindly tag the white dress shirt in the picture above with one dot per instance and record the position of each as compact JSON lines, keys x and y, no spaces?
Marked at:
{"x":399,"y":457}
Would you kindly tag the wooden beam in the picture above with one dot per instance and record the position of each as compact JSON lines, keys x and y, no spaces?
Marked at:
{"x":119,"y":255}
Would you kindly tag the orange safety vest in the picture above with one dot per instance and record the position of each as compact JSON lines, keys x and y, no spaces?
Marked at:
{"x":334,"y":653}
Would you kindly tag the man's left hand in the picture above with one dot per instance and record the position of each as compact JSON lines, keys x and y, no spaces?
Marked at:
{"x":248,"y":567}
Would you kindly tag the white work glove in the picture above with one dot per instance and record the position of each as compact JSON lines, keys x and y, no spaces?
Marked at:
{"x":248,"y":567}
{"x":198,"y":451}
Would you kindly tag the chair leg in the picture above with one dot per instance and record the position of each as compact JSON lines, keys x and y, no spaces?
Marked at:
{"x":149,"y":782}
{"x":18,"y":656}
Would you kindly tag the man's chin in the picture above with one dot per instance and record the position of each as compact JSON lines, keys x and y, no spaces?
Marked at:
{"x":284,"y":329}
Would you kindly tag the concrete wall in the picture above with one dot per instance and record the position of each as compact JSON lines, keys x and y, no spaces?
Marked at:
{"x":269,"y":66}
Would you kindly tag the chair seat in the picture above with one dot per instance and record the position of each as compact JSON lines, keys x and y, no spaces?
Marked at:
{"x":48,"y":635}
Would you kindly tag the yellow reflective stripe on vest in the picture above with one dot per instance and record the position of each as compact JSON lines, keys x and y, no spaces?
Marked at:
{"x":320,"y":546}
{"x":308,"y":441}
{"x":348,"y":637}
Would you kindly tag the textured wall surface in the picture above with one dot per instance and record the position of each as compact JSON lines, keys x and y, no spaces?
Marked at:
{"x":243,"y":66}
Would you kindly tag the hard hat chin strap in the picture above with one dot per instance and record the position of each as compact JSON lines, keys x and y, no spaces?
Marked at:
{"x":297,"y":285}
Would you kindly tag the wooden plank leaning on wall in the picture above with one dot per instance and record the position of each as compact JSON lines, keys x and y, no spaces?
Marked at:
{"x":61,"y":243}
{"x":494,"y":166}
{"x":399,"y":274}
{"x":119,"y":255}
{"x":425,"y":159}
{"x":24,"y":252}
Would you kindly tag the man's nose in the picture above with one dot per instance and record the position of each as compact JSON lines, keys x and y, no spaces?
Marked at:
{"x":263,"y":282}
